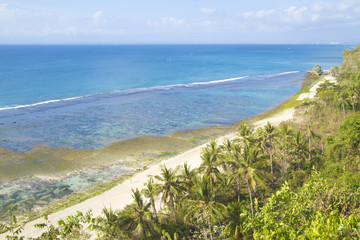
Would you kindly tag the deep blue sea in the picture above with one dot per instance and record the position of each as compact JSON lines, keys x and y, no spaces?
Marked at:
{"x":87,"y":96}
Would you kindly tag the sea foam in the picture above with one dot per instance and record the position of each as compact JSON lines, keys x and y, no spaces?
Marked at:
{"x":148,"y":89}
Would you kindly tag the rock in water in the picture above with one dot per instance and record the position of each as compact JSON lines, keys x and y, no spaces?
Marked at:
{"x":316,"y":70}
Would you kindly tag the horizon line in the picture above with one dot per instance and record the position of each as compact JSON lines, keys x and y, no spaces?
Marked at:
{"x":300,"y":43}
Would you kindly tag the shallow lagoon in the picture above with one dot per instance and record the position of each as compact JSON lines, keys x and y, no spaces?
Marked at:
{"x":107,"y":94}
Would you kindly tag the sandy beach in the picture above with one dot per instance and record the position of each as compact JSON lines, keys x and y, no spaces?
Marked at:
{"x":121,"y":195}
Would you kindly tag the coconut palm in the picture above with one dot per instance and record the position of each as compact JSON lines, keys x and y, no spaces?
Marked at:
{"x":353,"y":96}
{"x":285,"y":134}
{"x":169,"y":188}
{"x":342,"y":100}
{"x":186,"y":176}
{"x":234,"y":160}
{"x":150,"y":192}
{"x":299,"y":150}
{"x":251,"y":161}
{"x":203,"y":206}
{"x":245,"y":134}
{"x":210,"y":163}
{"x":137,"y":219}
{"x":311,"y":135}
{"x":226,"y":152}
{"x":235,"y":217}
{"x":269,"y":135}
{"x":108,"y":225}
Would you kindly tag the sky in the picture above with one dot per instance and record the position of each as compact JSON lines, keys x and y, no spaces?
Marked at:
{"x":179,"y":21}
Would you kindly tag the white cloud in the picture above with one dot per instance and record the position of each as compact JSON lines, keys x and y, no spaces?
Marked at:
{"x":320,"y":14}
{"x":260,"y":13}
{"x":172,"y":20}
{"x":315,"y":17}
{"x":3,"y":7}
{"x":208,"y":11}
{"x":71,"y":31}
{"x":289,"y":14}
{"x":97,"y":15}
{"x":6,"y":11}
{"x":295,"y":14}
{"x":208,"y":23}
{"x":318,"y":7}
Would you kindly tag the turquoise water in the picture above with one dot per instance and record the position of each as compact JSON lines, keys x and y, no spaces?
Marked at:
{"x":85,"y":97}
{"x":33,"y":193}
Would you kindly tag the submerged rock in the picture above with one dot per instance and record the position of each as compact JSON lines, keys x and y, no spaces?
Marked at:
{"x":316,"y":71}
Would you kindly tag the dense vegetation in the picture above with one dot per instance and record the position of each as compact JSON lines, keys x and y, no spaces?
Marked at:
{"x":299,"y":180}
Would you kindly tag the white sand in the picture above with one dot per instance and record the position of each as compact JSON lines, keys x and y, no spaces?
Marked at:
{"x":121,"y":195}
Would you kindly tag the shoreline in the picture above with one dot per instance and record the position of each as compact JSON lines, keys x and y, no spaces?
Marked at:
{"x":48,"y":163}
{"x":123,"y":191}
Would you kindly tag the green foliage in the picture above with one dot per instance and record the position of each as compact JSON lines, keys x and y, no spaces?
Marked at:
{"x":108,"y":227}
{"x":13,"y":225}
{"x":347,"y":145}
{"x":70,"y":228}
{"x":300,"y":180}
{"x":236,"y":217}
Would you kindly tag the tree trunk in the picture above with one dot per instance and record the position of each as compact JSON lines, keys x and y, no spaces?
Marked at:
{"x":272,"y":168}
{"x":271,"y":159}
{"x":174,"y":212}
{"x":213,"y":189}
{"x":153,"y":206}
{"x":238,"y":188}
{"x":251,"y":201}
{"x":343,"y":107}
{"x":309,"y":147}
{"x":285,"y":167}
{"x":286,"y":164}
{"x":144,"y":233}
{"x":209,"y":224}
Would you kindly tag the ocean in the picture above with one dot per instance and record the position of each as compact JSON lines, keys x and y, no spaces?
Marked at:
{"x":88,"y":96}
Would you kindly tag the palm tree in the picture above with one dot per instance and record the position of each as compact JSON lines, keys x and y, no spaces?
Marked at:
{"x":186,"y":177}
{"x":109,"y":225}
{"x":353,"y":96}
{"x":234,"y":160}
{"x":210,"y":163}
{"x":251,"y":161}
{"x":137,"y":219}
{"x":269,"y":134}
{"x":342,"y":100}
{"x":235,"y":217}
{"x":298,"y":147}
{"x":285,"y":132}
{"x":311,"y":135}
{"x":226,"y":152}
{"x":245,"y":134}
{"x":203,"y":206}
{"x":151,"y":191}
{"x":170,"y":187}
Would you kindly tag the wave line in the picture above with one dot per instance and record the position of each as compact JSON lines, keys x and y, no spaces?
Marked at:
{"x":148,"y":89}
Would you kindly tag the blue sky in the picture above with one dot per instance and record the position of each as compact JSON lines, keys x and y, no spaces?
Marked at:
{"x":181,"y":21}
